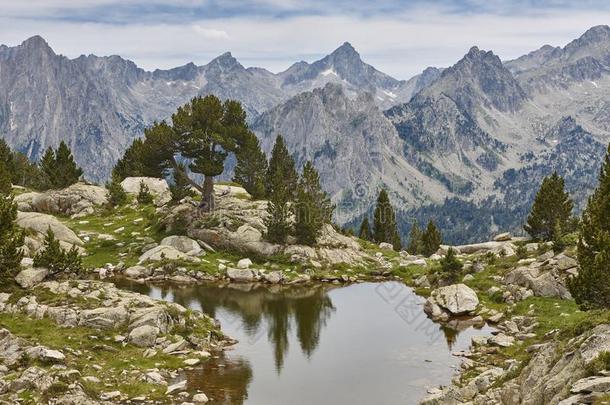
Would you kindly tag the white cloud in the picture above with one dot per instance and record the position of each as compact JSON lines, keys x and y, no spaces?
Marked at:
{"x":401,"y":45}
{"x":210,"y":33}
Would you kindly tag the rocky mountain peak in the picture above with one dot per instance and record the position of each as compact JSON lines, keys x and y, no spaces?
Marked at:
{"x":36,"y":44}
{"x":346,"y":52}
{"x":598,"y":33}
{"x":226,"y":61}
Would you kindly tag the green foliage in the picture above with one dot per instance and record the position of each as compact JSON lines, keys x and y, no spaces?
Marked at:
{"x":57,"y":259}
{"x":116,"y":194}
{"x":521,"y":252}
{"x":365,"y":230}
{"x":281,"y":167}
{"x":181,"y":188}
{"x":313,"y":208}
{"x":591,"y":288}
{"x":281,"y":184}
{"x":203,"y":131}
{"x":144,"y":195}
{"x":415,"y":246}
{"x":6,"y":186}
{"x":552,"y":208}
{"x":384,"y":222}
{"x":451,"y":267}
{"x":59,"y":168}
{"x":251,"y":166}
{"x":11,"y":237}
{"x":431,"y":239}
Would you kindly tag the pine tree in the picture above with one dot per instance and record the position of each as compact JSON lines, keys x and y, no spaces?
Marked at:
{"x":280,"y":185}
{"x":431,"y":239}
{"x":57,"y":259}
{"x":11,"y":237}
{"x":384,"y":222}
{"x":451,"y":267}
{"x":181,"y":188}
{"x":552,"y":206}
{"x":251,"y":167}
{"x":365,"y":230}
{"x":415,"y":239}
{"x":279,"y":211}
{"x":116,"y":194}
{"x":144,"y":195}
{"x":6,"y":186}
{"x":67,"y":171}
{"x":281,"y":164}
{"x":48,"y":168}
{"x":313,"y":208}
{"x":591,"y":288}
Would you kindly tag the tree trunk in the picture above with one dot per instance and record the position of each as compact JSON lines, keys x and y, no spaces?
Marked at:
{"x":207,"y":198}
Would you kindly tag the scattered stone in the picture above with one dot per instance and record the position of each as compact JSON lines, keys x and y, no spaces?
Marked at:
{"x":175,"y":388}
{"x":241,"y":275}
{"x":144,"y":336}
{"x":28,"y":278}
{"x":200,"y":398}
{"x":244,"y":263}
{"x":503,"y":237}
{"x":192,"y":362}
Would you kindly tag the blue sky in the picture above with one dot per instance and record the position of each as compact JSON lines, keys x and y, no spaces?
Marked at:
{"x":398,"y":37}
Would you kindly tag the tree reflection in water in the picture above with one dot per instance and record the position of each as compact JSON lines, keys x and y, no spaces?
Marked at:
{"x":276,"y":310}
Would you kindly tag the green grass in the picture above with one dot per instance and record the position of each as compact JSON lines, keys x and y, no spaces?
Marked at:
{"x":138,"y":222}
{"x":101,"y":351}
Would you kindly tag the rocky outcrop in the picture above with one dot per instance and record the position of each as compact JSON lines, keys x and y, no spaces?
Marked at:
{"x":40,"y":223}
{"x":546,"y":277}
{"x":164,"y":252}
{"x":77,"y":200}
{"x":238,"y":225}
{"x":157,"y":187}
{"x":29,"y":277}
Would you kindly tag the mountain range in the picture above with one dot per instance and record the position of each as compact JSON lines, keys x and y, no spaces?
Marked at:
{"x":466,"y":145}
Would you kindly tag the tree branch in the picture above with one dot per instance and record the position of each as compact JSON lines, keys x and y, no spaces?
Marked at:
{"x":176,"y":167}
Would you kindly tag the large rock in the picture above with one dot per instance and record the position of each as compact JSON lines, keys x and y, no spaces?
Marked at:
{"x":162,"y":252}
{"x":542,"y":283}
{"x":45,"y":354}
{"x":157,"y":187}
{"x":77,"y":200}
{"x":104,"y":318}
{"x":457,"y":299}
{"x":241,"y":275}
{"x":28,"y":278}
{"x":144,"y":336}
{"x":183,"y":244}
{"x":41,"y":222}
{"x":137,"y":272}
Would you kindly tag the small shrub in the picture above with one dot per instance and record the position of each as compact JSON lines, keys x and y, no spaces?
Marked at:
{"x":521,"y":252}
{"x":57,"y":259}
{"x":144,"y":196}
{"x":116,"y":194}
{"x":491,"y":258}
{"x":451,"y":266}
{"x":601,"y":362}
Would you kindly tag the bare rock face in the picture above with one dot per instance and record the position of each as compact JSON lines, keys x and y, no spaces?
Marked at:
{"x":183,"y":244}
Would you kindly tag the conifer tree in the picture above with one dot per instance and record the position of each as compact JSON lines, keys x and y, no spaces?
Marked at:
{"x":6,"y":186}
{"x":132,"y":164}
{"x":48,"y":168}
{"x":251,"y":167}
{"x":280,"y":184}
{"x":415,"y":239}
{"x":551,"y":210}
{"x":365,"y":230}
{"x":431,"y":239}
{"x":59,"y":168}
{"x":313,"y":208}
{"x":116,"y":194}
{"x":591,"y":288}
{"x":57,"y":259}
{"x":181,"y":188}
{"x":144,"y":195}
{"x":384,"y":222}
{"x":11,"y":237}
{"x":451,"y":267}
{"x":282,"y":163}
{"x":67,"y":171}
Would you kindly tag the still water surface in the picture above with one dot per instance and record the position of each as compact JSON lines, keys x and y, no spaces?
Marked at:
{"x":366,"y":343}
